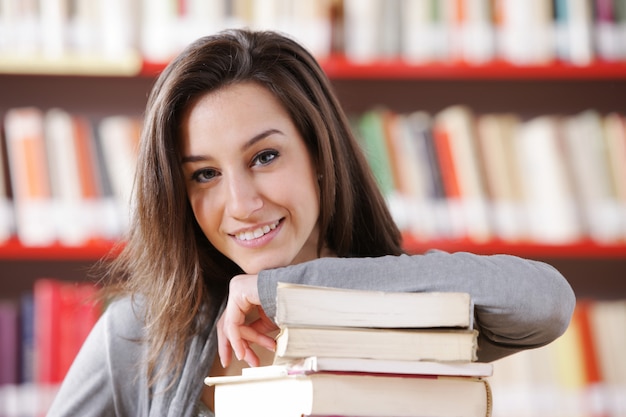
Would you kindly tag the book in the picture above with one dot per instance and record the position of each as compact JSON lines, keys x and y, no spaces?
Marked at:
{"x":65,"y":177}
{"x":372,"y":366}
{"x":548,"y":195}
{"x":350,"y":394}
{"x":29,"y":174}
{"x":614,"y":127}
{"x":408,"y":345}
{"x":117,"y":138}
{"x":496,"y":144}
{"x":64,"y":313}
{"x":9,"y":342}
{"x":6,"y":203}
{"x":456,"y":144}
{"x":299,"y":305}
{"x":586,"y":153}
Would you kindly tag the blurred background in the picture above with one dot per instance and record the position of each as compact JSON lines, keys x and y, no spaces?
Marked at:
{"x":493,"y":126}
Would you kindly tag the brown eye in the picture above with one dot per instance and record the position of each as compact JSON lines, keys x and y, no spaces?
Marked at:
{"x":264,"y":157}
{"x":204,"y":175}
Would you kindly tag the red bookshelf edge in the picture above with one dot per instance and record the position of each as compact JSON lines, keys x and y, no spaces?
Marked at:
{"x":586,"y":249}
{"x":340,"y":67}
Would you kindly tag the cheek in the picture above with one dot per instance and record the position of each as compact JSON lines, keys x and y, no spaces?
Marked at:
{"x":205,"y":212}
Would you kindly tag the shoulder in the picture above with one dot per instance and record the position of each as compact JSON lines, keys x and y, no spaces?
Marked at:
{"x":124,"y":318}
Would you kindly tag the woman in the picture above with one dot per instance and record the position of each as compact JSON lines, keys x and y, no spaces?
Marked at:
{"x":248,"y":175}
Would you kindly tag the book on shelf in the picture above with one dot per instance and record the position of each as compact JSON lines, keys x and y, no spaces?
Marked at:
{"x":456,"y":146}
{"x":332,"y":393}
{"x":29,"y":176}
{"x":546,"y":183}
{"x":614,"y":127}
{"x":585,"y":151}
{"x":7,"y":225}
{"x":308,"y":305}
{"x":496,"y":145}
{"x":64,"y":313}
{"x":580,"y":373}
{"x":9,"y":342}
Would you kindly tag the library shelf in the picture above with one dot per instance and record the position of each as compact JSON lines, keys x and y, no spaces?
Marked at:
{"x":73,"y":65}
{"x":584,"y":249}
{"x":339,"y":67}
{"x":14,"y":250}
{"x":342,"y":68}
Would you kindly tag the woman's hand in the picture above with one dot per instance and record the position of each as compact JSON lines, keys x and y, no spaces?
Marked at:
{"x":234,"y":333}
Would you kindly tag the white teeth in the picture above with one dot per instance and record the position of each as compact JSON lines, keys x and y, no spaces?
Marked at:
{"x":256,"y":233}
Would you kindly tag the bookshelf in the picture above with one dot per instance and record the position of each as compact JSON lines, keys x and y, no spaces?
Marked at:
{"x":402,"y":87}
{"x":97,"y":87}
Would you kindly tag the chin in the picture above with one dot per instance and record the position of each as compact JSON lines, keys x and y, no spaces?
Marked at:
{"x":255,"y":268}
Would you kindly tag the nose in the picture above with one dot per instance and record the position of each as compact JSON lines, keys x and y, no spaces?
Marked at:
{"x":242,"y":198}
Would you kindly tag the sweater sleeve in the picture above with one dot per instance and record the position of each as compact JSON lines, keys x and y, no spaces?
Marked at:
{"x":519,"y":303}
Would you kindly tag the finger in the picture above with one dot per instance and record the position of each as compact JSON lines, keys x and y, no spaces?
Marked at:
{"x":251,"y":358}
{"x":223,"y":345}
{"x":235,"y":340}
{"x":263,"y":339}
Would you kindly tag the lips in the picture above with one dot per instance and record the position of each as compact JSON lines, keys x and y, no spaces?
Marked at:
{"x":256,"y":233}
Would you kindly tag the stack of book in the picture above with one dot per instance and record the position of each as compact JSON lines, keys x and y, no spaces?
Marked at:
{"x":364,"y":353}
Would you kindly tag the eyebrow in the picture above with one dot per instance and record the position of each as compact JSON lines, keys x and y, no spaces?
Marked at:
{"x":256,"y":138}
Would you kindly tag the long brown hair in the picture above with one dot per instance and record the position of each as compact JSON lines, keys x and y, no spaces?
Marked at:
{"x":166,"y":258}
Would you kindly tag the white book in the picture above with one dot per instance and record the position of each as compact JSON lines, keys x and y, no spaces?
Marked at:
{"x":496,"y":135}
{"x":614,"y":126}
{"x":362,"y":29}
{"x":548,"y":194}
{"x":53,"y":23}
{"x":586,"y":153}
{"x":332,"y":364}
{"x":325,"y":306}
{"x":418,"y":31}
{"x":118,"y":136}
{"x":477,"y":32}
{"x":351,"y":394}
{"x":64,"y":178}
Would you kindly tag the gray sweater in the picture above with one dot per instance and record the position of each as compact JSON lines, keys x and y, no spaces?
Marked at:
{"x":519,"y":304}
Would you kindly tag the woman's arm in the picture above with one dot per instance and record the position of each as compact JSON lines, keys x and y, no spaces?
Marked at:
{"x":519,"y":303}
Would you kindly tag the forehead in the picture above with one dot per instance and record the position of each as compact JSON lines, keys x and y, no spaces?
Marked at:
{"x":235,"y":112}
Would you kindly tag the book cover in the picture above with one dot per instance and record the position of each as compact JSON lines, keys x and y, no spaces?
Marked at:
{"x":9,"y":343}
{"x":65,"y":177}
{"x":325,"y":306}
{"x":30,"y":176}
{"x":461,"y":168}
{"x":587,"y":159}
{"x":286,"y":366}
{"x":496,"y":136}
{"x":548,"y":193}
{"x":349,"y":394}
{"x":7,"y":226}
{"x":396,"y":344}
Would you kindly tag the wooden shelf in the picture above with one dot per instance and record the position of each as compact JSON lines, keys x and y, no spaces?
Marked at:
{"x":76,"y":65}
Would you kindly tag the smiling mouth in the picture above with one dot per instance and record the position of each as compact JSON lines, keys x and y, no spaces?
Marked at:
{"x":257,"y":233}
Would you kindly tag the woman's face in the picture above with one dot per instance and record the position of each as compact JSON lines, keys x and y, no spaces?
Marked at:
{"x":250,"y":179}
